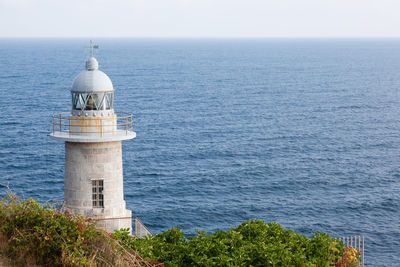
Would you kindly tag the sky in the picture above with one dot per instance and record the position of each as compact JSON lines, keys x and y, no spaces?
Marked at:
{"x":199,"y":18}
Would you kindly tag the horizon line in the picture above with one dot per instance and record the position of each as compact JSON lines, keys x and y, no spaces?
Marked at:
{"x":199,"y":37}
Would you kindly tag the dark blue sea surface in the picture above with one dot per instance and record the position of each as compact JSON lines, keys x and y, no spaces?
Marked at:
{"x":302,"y":132}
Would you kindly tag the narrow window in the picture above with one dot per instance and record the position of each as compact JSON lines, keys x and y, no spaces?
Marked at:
{"x":97,"y":193}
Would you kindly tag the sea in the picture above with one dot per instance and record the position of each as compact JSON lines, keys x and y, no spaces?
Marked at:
{"x":303,"y":132}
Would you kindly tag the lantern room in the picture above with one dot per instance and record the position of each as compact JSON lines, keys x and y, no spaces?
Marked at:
{"x":92,"y":117}
{"x":92,"y":91}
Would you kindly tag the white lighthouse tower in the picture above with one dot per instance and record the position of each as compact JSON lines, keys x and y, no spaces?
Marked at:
{"x":93,"y":132}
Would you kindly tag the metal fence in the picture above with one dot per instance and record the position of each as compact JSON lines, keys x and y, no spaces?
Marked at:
{"x":358,"y":243}
{"x":140,"y":229}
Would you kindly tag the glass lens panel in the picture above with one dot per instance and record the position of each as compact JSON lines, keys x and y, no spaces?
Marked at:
{"x":90,"y":103}
{"x":80,"y":102}
{"x":99,"y":101}
{"x":77,"y":102}
{"x":107,"y":100}
{"x":94,"y":102}
{"x":109,"y":97}
{"x":73,"y":95}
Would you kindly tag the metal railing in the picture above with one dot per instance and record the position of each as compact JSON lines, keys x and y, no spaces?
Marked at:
{"x":140,"y":229}
{"x":356,"y":242}
{"x":81,"y":125}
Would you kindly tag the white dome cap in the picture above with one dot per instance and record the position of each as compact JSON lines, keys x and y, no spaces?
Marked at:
{"x":92,"y":79}
{"x":92,"y":64}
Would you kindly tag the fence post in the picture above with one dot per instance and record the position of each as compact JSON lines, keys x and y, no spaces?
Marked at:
{"x":363,"y":249}
{"x":356,"y":242}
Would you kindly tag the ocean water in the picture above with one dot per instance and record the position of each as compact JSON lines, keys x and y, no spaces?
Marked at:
{"x":302,"y":132}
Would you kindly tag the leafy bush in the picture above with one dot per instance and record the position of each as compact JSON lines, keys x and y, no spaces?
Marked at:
{"x":253,"y":243}
{"x":32,"y":235}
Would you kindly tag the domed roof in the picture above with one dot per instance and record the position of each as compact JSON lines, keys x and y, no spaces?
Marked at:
{"x":92,"y":79}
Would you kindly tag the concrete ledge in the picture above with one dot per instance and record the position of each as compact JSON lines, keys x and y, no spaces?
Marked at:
{"x":119,"y":135}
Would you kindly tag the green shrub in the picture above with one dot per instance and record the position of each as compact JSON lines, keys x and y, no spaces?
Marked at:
{"x":253,"y":243}
{"x":32,"y":234}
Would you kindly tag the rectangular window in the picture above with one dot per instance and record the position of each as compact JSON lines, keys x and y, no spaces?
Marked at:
{"x":97,"y":193}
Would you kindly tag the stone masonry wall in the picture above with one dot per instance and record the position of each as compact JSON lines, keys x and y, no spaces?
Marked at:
{"x":85,"y":162}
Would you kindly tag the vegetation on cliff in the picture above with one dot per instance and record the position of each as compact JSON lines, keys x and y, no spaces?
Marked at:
{"x":32,"y":234}
{"x":253,"y":243}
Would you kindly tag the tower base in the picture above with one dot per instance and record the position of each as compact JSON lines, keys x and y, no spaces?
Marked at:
{"x":94,"y":183}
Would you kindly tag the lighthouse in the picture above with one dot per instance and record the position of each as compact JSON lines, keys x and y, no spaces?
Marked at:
{"x":93,"y":135}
